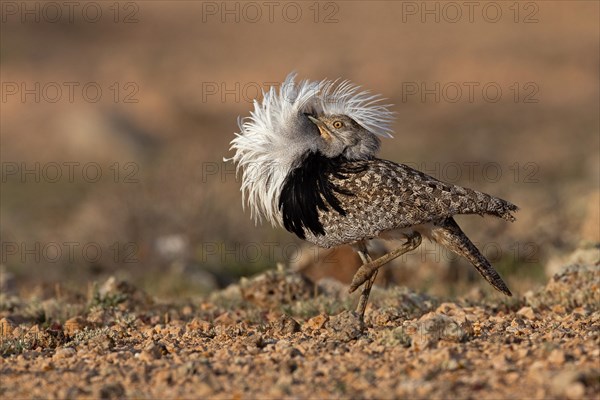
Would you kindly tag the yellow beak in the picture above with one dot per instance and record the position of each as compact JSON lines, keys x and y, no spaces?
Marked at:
{"x":322,"y":128}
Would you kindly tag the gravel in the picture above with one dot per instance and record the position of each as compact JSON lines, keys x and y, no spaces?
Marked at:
{"x":277,"y":336}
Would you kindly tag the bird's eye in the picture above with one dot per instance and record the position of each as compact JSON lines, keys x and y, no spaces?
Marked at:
{"x":338,"y":124}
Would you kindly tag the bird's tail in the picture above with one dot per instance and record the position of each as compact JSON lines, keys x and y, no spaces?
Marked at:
{"x":498,"y":207}
{"x":449,"y":234}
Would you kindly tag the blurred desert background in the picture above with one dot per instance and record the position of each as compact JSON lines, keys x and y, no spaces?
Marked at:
{"x":116,"y":117}
{"x":129,"y":269}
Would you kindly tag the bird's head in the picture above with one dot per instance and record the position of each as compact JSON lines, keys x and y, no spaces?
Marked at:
{"x":341,"y":135}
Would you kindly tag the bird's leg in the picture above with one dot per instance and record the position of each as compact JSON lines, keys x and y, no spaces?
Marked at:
{"x":366,"y":271}
{"x":366,"y":291}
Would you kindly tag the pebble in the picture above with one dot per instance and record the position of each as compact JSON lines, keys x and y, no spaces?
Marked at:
{"x":112,"y":391}
{"x":557,"y":356}
{"x":316,"y":323}
{"x":575,"y":391}
{"x":433,"y":327}
{"x":64,"y":352}
{"x":527,"y":312}
{"x":566,"y":383}
{"x":152,"y":351}
{"x":288,"y":325}
{"x":198,"y":325}
{"x":74,"y":324}
{"x":345,"y":326}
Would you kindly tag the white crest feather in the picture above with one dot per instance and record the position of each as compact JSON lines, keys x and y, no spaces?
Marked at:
{"x":268,"y":145}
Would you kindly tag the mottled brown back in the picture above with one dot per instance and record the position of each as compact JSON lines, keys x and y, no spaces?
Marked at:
{"x":387,"y":196}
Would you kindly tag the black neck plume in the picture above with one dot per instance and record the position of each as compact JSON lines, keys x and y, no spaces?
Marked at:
{"x":308,"y":189}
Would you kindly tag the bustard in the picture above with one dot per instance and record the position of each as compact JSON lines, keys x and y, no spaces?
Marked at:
{"x":308,"y":158}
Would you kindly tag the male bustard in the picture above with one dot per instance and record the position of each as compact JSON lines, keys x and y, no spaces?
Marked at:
{"x":308,"y":159}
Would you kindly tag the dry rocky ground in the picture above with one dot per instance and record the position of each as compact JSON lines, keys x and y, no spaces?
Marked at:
{"x":279,"y":336}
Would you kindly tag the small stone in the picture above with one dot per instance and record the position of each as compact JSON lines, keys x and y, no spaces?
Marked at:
{"x":557,"y":356}
{"x":559,"y":309}
{"x":149,"y":332}
{"x":400,"y":336}
{"x":499,"y":362}
{"x":133,"y":378}
{"x":164,"y":376}
{"x":198,"y":325}
{"x":453,"y":365}
{"x":225,"y":319}
{"x":64,"y":352}
{"x":47,"y":365}
{"x":74,"y":392}
{"x":440,"y":356}
{"x":580,"y":311}
{"x":512,"y":377}
{"x":565,"y":382}
{"x":175,"y":330}
{"x":288,"y":325}
{"x":575,"y":391}
{"x":152,"y":352}
{"x":522,"y":354}
{"x":476,"y":328}
{"x":452,"y":310}
{"x":527,"y":312}
{"x":112,"y":391}
{"x":316,"y":323}
{"x":346,"y":326}
{"x":537,"y":365}
{"x":255,"y":342}
{"x":433,"y":327}
{"x":73,"y":325}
